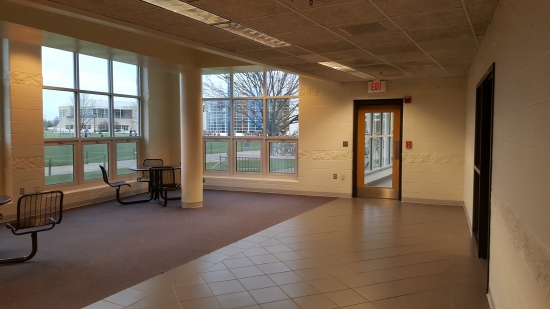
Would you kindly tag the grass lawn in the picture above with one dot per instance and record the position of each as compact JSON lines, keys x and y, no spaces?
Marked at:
{"x":94,"y":153}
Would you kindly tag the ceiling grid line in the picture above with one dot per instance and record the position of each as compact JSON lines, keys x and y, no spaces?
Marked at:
{"x":469,"y":21}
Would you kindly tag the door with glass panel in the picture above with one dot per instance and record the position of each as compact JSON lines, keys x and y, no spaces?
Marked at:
{"x":378,"y":151}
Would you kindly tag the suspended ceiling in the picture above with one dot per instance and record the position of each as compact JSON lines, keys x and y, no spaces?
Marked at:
{"x":388,"y":39}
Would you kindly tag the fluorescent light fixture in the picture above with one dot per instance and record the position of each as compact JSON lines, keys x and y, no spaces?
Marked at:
{"x":251,"y":34}
{"x":188,"y":10}
{"x":343,"y":68}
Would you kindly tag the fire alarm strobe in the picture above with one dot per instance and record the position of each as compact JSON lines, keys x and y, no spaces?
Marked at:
{"x":407,"y":99}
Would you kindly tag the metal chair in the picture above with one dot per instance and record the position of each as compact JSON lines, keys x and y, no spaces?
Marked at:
{"x":145,"y":177}
{"x":163,"y":179}
{"x":36,"y":212}
{"x":119,"y":184}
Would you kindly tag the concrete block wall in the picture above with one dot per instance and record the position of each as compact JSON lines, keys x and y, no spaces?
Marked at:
{"x":520,"y":234}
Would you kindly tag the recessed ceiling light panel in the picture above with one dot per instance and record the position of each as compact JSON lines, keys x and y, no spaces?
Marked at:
{"x":188,"y":10}
{"x":343,"y":68}
{"x":251,"y":34}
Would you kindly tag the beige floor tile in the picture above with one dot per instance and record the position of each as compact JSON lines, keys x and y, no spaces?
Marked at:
{"x":271,"y":268}
{"x":425,"y":300}
{"x":285,"y":278}
{"x":362,"y":266}
{"x":328,"y":285}
{"x":288,"y":256}
{"x":134,"y":306}
{"x":251,"y":307}
{"x":164,"y":297}
{"x":201,"y":303}
{"x":278,"y":249}
{"x":213,"y":257}
{"x":362,"y":306}
{"x":263,"y":259}
{"x":299,"y":289}
{"x":394,"y":303}
{"x":127,"y":297}
{"x":270,"y":242}
{"x":355,"y":280}
{"x":258,"y":282}
{"x":236,"y":300}
{"x":301,"y":264}
{"x":339,"y":270}
{"x":346,"y":298}
{"x":103,"y":305}
{"x":217,"y":266}
{"x":374,"y":292}
{"x":267,"y":295}
{"x":226,"y":287}
{"x":318,"y":301}
{"x":248,"y":271}
{"x":379,"y":276}
{"x":219,"y":275}
{"x":255,"y":251}
{"x":313,"y":273}
{"x":228,"y":250}
{"x":194,"y":279}
{"x":282,"y":304}
{"x":422,"y":269}
{"x":165,"y":306}
{"x":193,"y":292}
{"x":236,"y":263}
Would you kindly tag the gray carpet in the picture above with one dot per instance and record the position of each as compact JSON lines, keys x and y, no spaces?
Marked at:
{"x":101,"y":249}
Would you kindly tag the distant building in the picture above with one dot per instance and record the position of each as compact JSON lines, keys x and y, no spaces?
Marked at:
{"x":95,"y":118}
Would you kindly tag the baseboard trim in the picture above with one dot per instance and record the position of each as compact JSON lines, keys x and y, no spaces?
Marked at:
{"x":277,"y":191}
{"x":490,"y":299}
{"x":428,"y":201}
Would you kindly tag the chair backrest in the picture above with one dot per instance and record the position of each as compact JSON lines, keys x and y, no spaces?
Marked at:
{"x":153,"y":162}
{"x":36,"y":209}
{"x":163,"y":176}
{"x":105,"y":176}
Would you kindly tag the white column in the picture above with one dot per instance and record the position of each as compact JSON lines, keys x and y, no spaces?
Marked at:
{"x":191,"y":137}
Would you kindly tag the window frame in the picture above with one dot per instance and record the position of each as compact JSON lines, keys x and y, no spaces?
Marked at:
{"x":78,"y":141}
{"x":264,"y":139}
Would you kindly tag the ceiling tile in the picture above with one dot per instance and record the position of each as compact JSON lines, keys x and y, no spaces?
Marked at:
{"x":408,"y":57}
{"x":480,"y":28}
{"x":241,"y":9}
{"x":108,"y":8}
{"x":399,"y":49}
{"x":291,"y":60}
{"x":382,"y":40}
{"x":336,"y":75}
{"x":203,"y":34}
{"x":391,"y":27}
{"x":381,"y":70}
{"x":482,"y":13}
{"x":273,"y":25}
{"x":159,"y":19}
{"x":304,"y":4}
{"x":409,"y":7}
{"x":458,"y":70}
{"x":314,"y":58}
{"x":454,"y":44}
{"x":350,"y":54}
{"x":358,"y":11}
{"x":294,"y":50}
{"x":475,"y":2}
{"x":455,"y":32}
{"x":441,"y":19}
{"x":452,"y":57}
{"x":308,"y":36}
{"x":307,"y":66}
{"x":327,"y":47}
{"x":237,"y":45}
{"x":263,"y":53}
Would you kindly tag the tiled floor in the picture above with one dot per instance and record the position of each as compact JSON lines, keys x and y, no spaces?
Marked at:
{"x":349,"y":253}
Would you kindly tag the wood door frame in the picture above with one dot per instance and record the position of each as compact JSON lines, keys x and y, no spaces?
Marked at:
{"x":374,"y":102}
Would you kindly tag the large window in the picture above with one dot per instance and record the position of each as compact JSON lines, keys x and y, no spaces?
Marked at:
{"x":91,"y":108}
{"x":250,"y":123}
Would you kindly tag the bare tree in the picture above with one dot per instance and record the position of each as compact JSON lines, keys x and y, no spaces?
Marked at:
{"x":248,"y":114}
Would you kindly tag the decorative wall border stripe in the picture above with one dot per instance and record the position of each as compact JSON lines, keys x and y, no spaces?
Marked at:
{"x":25,"y":79}
{"x":434,"y":158}
{"x":530,"y":248}
{"x":325,"y":155}
{"x":30,"y":163}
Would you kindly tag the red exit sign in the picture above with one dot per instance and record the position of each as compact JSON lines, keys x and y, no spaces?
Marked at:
{"x":377,"y":86}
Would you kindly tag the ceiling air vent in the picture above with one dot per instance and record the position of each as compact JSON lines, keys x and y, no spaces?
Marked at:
{"x":363,"y":29}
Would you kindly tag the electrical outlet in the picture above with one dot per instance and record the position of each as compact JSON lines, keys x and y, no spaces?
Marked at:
{"x":335,"y":176}
{"x":21,"y":191}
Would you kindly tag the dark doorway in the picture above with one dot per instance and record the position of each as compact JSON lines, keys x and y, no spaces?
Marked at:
{"x":482,"y":165}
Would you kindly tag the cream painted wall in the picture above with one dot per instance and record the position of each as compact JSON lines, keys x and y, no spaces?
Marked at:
{"x":432,"y":170}
{"x":520,"y":234}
